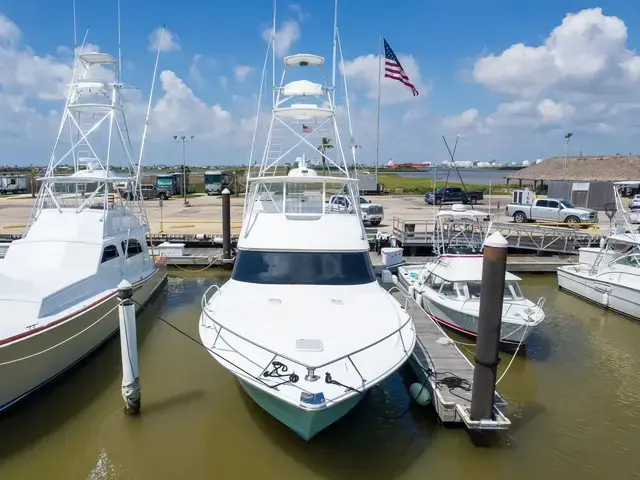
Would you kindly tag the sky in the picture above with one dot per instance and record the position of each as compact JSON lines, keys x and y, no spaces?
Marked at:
{"x":510,"y":78}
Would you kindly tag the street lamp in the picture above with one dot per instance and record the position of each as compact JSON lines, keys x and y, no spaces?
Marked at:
{"x":184,"y":139}
{"x":567,"y":137}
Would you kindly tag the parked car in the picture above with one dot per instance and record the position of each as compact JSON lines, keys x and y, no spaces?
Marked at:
{"x":372,"y":213}
{"x":634,"y":203}
{"x":452,"y":195}
{"x":148,"y":192}
{"x":550,"y":210}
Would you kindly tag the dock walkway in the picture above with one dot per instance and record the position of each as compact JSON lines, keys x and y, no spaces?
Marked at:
{"x":433,"y":352}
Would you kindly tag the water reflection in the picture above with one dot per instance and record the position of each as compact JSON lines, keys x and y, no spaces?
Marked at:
{"x":573,"y":405}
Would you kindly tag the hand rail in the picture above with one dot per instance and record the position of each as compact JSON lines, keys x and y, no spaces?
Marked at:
{"x":204,"y":300}
{"x":310,"y":368}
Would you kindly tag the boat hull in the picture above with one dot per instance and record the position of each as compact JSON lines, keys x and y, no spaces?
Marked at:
{"x":510,"y":333}
{"x":305,"y":423}
{"x":616,"y":297}
{"x":83,"y":332}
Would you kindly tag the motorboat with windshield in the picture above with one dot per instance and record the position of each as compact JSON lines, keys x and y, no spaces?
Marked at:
{"x":609,"y":276}
{"x":303,"y":323}
{"x":59,"y":282}
{"x":449,"y":287}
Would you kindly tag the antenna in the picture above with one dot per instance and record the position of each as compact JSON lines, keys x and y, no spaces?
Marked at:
{"x":273,"y":56}
{"x":335,"y":36}
{"x":146,"y":121}
{"x":120,"y":47}
{"x":75,"y":35}
{"x":453,"y":162}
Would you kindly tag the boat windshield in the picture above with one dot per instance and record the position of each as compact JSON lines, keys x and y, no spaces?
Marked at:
{"x":511,"y":290}
{"x":303,"y":268}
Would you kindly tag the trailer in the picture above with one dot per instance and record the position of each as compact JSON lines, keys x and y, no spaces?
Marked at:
{"x":13,"y":184}
{"x":172,"y":182}
{"x":367,"y":184}
{"x":215,"y":181}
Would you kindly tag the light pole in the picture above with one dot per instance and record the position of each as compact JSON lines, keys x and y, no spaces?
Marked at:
{"x":183,"y":139}
{"x":567,"y":137}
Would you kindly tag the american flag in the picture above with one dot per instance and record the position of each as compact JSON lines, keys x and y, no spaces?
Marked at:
{"x":306,"y":129}
{"x":393,"y":69}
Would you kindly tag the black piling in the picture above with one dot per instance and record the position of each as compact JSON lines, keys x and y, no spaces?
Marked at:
{"x":226,"y":224}
{"x":494,"y":267}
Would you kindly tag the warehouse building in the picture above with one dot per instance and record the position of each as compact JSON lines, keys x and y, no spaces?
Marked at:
{"x":585,"y":181}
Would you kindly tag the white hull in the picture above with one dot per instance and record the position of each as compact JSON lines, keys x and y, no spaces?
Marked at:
{"x":616,"y":297}
{"x":510,"y":333}
{"x":25,"y":376}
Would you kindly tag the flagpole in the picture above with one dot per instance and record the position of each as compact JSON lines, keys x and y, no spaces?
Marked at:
{"x":378,"y":110}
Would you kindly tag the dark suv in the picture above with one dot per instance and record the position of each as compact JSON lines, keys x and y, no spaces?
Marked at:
{"x":148,"y":192}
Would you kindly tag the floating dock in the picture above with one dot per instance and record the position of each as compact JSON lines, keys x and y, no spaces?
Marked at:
{"x":434,"y":352}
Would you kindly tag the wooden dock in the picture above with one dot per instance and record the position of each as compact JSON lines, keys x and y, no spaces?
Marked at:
{"x":447,"y":367}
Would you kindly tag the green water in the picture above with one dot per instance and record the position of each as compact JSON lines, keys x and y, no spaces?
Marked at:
{"x":574,"y":404}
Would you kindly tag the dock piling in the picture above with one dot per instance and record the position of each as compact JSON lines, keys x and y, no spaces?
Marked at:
{"x":494,"y":268}
{"x":226,"y":224}
{"x":129,"y":350}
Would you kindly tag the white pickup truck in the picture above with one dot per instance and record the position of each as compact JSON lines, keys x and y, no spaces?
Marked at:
{"x":372,"y":213}
{"x":550,"y":210}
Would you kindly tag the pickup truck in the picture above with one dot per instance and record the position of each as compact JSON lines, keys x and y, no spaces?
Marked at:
{"x":372,"y":213}
{"x":551,"y":210}
{"x":452,"y":195}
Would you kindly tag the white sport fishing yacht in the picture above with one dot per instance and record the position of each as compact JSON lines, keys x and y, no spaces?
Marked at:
{"x":302,"y":323}
{"x":610,"y":275}
{"x":449,"y":288}
{"x":59,"y":282}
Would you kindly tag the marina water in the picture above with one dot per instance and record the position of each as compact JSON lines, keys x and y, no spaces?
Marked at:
{"x":573,"y":404}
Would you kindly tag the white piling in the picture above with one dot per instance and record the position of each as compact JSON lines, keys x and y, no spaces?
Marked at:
{"x":129,"y":350}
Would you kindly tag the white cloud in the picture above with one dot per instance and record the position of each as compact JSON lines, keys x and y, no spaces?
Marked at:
{"x":463,"y":120}
{"x":300,"y":14}
{"x":241,"y":72}
{"x":364,"y":71}
{"x":552,"y":112}
{"x":286,"y":36}
{"x":170,"y":40}
{"x":587,"y":47}
{"x":582,"y":77}
{"x":9,"y":32}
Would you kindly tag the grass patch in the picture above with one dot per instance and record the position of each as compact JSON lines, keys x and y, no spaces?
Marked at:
{"x":421,"y":185}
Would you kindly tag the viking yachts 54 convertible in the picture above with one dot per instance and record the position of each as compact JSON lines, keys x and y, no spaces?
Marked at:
{"x":302,"y":323}
{"x":59,"y":282}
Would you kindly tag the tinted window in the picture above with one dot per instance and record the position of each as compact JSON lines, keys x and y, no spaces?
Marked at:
{"x":541,"y":203}
{"x":110,"y":252}
{"x":552,"y":204}
{"x":132,"y":248}
{"x":455,"y":190}
{"x":303,"y":268}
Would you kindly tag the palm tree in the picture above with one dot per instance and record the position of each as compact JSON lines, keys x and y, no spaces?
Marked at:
{"x":326,"y":145}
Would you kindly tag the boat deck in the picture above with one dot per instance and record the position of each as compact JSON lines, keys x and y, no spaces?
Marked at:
{"x":445,"y":360}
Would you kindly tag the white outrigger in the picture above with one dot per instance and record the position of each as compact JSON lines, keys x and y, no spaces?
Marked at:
{"x":449,"y":288}
{"x":609,"y":276}
{"x":302,"y":323}
{"x":59,"y":282}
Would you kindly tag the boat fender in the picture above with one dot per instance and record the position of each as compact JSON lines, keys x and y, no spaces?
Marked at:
{"x":420,"y":394}
{"x":605,"y":299}
{"x":412,"y":290}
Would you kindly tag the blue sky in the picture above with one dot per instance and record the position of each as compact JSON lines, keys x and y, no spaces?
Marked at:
{"x":576,"y":71}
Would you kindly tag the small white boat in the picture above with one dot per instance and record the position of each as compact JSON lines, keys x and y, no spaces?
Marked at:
{"x":59,"y":282}
{"x":449,"y":289}
{"x":302,"y":323}
{"x":609,"y":276}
